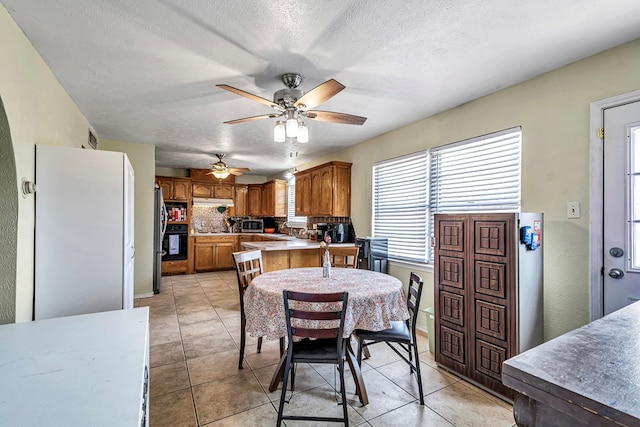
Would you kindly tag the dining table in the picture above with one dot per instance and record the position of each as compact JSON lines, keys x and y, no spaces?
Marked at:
{"x":375,"y":300}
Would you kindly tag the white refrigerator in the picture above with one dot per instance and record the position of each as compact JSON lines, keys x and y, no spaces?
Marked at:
{"x":84,"y":249}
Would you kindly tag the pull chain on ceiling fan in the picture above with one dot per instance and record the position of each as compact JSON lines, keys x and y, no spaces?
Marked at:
{"x":293,"y":106}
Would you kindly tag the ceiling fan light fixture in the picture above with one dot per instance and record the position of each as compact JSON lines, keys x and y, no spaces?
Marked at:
{"x":221,"y":174}
{"x":279,"y":132}
{"x":303,"y":133}
{"x":292,"y":127}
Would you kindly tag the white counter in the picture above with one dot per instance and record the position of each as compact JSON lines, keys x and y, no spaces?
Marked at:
{"x":83,"y":370}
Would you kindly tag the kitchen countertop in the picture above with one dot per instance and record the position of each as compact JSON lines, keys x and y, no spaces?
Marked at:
{"x":287,"y":245}
{"x":275,"y":236}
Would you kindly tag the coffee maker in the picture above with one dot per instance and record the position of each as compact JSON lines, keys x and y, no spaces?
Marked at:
{"x":323,"y":230}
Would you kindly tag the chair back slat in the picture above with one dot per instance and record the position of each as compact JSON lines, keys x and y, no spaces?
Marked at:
{"x":315,"y":315}
{"x":343,"y":256}
{"x":314,"y":333}
{"x":248,"y":266}
{"x":413,"y":297}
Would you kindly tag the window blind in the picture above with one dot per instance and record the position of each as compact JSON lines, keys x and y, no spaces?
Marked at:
{"x":400,"y":211}
{"x":480,"y":174}
{"x":291,"y":205}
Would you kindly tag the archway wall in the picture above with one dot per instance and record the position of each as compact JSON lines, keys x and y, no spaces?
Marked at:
{"x":39,"y":111}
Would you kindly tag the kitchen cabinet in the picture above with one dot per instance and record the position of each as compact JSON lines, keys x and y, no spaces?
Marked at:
{"x":212,"y":189}
{"x":174,"y":267}
{"x":214,"y":252}
{"x":274,"y":198}
{"x":325,"y":190}
{"x":488,"y":294}
{"x":303,"y":194}
{"x":240,"y":200}
{"x":254,"y":199}
{"x":175,"y":189}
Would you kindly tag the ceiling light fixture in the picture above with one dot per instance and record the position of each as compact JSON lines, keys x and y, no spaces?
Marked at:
{"x":221,"y":173}
{"x":293,"y":129}
{"x":279,"y":132}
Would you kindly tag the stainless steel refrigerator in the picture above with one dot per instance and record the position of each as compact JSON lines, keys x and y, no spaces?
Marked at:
{"x":159,"y":228}
{"x":84,"y":223}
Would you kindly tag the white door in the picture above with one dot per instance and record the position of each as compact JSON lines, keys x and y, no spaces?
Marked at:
{"x":621,"y":206}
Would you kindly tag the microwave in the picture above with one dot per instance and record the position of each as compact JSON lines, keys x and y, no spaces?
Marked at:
{"x":252,"y":226}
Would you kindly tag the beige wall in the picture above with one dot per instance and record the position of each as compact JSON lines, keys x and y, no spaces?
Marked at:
{"x":143,"y":160}
{"x":39,"y":111}
{"x":553,"y":111}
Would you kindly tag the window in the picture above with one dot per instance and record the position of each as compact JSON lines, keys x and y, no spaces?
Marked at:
{"x":400,"y":205}
{"x":291,"y":205}
{"x":480,"y":174}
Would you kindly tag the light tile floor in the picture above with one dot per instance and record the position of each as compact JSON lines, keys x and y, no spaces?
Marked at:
{"x":195,"y":381}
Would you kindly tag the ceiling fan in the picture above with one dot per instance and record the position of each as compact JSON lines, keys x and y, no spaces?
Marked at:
{"x":221,"y":170}
{"x":293,"y":106}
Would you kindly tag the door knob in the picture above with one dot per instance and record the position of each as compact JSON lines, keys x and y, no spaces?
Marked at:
{"x":616,"y":273}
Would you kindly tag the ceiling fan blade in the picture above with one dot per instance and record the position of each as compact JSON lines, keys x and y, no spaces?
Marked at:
{"x":250,"y":96}
{"x":248,"y":119}
{"x":320,"y":94}
{"x":237,"y":172}
{"x":331,"y":116}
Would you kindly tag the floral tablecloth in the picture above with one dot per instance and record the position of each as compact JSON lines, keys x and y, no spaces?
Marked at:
{"x":375,"y":299}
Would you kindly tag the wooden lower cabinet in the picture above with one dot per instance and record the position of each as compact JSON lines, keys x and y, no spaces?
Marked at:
{"x":293,"y":258}
{"x":488,"y":294}
{"x":174,"y":267}
{"x":214,"y":253}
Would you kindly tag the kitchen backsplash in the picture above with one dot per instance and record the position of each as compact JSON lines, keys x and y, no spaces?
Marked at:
{"x":206,"y":219}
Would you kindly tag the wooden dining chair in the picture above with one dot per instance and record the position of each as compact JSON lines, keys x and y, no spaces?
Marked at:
{"x":321,"y":343}
{"x":344,"y":257}
{"x":248,"y":266}
{"x":402,"y":333}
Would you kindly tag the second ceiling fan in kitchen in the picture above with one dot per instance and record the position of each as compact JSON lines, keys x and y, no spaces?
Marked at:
{"x":221,"y":170}
{"x":292,"y":106}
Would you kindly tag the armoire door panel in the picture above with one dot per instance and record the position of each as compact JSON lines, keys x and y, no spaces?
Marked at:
{"x":490,"y":237}
{"x":491,"y":319}
{"x":451,"y":272}
{"x":490,"y":279}
{"x":451,"y":235}
{"x":489,"y":359}
{"x":452,"y":344}
{"x":452,"y":308}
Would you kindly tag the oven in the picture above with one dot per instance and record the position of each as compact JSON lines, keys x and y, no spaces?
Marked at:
{"x":175,"y":242}
{"x":252,"y":226}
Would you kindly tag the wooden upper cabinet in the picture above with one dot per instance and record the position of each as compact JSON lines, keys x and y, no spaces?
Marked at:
{"x":324,"y":190}
{"x":223,"y":191}
{"x":240,"y":200}
{"x":202,"y":189}
{"x":212,"y":189}
{"x":175,"y":189}
{"x":254,"y":199}
{"x":303,"y":194}
{"x":274,"y":198}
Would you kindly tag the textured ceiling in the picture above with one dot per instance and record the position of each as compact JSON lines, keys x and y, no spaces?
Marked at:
{"x":146,"y":70}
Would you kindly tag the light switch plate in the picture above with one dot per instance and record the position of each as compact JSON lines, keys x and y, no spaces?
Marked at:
{"x":573,"y":210}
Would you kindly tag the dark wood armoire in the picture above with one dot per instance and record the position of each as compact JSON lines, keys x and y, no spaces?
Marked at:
{"x":488,"y":293}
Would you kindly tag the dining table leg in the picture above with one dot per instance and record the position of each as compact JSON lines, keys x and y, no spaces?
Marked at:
{"x":356,"y":373}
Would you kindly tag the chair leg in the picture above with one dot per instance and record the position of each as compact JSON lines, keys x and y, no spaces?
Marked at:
{"x":259,"y":344}
{"x":283,"y":394}
{"x":343,"y":392}
{"x":418,"y":374}
{"x":281,"y":346}
{"x":243,"y":339}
